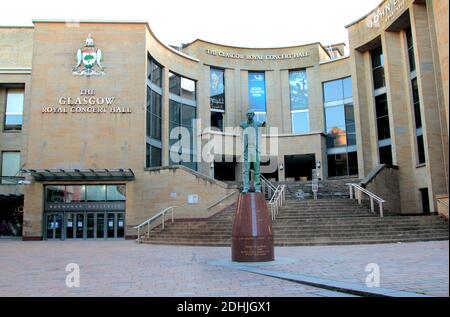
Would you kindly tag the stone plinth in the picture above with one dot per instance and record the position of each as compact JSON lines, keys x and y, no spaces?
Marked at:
{"x":252,"y":239}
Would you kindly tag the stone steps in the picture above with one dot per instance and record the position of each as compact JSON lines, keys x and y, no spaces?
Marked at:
{"x":227,"y":243}
{"x":332,"y":221}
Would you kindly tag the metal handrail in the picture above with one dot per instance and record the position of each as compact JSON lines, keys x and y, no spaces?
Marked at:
{"x":278,"y":199}
{"x":147,"y":223}
{"x":358,"y":191}
{"x":222,"y":199}
{"x":267,"y":187}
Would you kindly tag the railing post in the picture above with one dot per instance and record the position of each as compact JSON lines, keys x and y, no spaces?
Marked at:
{"x":350,"y":187}
{"x":359,"y":197}
{"x":139,"y":235}
{"x":148,"y":229}
{"x":173,"y":220}
{"x":381,"y":209}
{"x":163,"y":220}
{"x":371,"y":205}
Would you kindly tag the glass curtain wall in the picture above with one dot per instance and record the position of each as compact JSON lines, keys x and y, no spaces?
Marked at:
{"x":182,"y":115}
{"x":154,"y":114}
{"x":420,"y":152}
{"x":298,"y":84}
{"x":340,"y":128}
{"x":381,"y":106}
{"x":217,"y":97}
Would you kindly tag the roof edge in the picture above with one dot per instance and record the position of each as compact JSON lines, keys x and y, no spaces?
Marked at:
{"x":364,"y":16}
{"x":119,"y":22}
{"x":250,"y":48}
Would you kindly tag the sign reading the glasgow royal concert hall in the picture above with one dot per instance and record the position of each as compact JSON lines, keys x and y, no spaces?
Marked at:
{"x":255,"y":57}
{"x":87,"y":102}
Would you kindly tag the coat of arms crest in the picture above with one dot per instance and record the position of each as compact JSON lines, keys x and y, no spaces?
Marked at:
{"x":89,"y":60}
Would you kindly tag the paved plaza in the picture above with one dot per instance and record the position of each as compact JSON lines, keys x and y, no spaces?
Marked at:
{"x":124,"y":268}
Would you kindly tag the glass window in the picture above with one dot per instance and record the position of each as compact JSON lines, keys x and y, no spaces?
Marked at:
{"x":337,"y":165}
{"x":382,"y":117}
{"x":154,"y":72}
{"x":300,"y":122}
{"x":187,"y":115}
{"x":420,"y":149}
{"x":410,"y":45}
{"x":335,"y":117}
{"x":377,"y":58}
{"x":75,"y":193}
{"x":348,"y":90}
{"x":333,"y":90}
{"x":174,"y":84}
{"x":156,"y":127}
{"x":115,"y":193}
{"x":156,"y":159}
{"x":378,"y":68}
{"x":14,"y":109}
{"x":96,"y":193}
{"x":353,"y":163}
{"x":55,"y":193}
{"x":10,"y":165}
{"x":187,"y":88}
{"x":351,"y":139}
{"x":156,"y":104}
{"x":217,"y":120}
{"x":154,"y":113}
{"x":336,"y":137}
{"x":257,"y":91}
{"x":298,"y":85}
{"x":385,"y":155}
{"x":217,"y":89}
{"x":379,"y":79}
{"x":175,"y":112}
{"x":340,"y":126}
{"x":416,"y":100}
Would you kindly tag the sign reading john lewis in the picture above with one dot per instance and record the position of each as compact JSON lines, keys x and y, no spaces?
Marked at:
{"x":385,"y":12}
{"x":87,"y":102}
{"x":255,"y":57}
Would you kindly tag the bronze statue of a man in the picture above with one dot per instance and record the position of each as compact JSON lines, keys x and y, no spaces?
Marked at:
{"x":252,"y":153}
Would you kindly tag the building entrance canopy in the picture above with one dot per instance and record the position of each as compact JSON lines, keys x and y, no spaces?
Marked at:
{"x":80,"y":174}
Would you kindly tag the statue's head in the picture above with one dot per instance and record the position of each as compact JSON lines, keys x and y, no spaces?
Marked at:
{"x":250,"y":115}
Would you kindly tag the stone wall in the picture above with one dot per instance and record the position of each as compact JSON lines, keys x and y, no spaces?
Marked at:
{"x":384,"y":182}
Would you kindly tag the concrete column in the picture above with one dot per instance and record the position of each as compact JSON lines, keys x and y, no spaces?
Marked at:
{"x":400,"y":116}
{"x":273,"y":102}
{"x":435,"y":140}
{"x":231,"y":102}
{"x":364,"y":111}
{"x":285,"y":106}
{"x":315,"y":100}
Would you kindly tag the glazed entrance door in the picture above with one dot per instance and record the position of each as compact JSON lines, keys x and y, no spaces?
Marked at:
{"x":115,"y":222}
{"x":54,"y":225}
{"x":80,"y":225}
{"x":90,"y":225}
{"x":85,"y":225}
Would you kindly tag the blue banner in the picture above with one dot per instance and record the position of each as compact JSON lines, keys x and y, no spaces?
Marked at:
{"x":257,"y":92}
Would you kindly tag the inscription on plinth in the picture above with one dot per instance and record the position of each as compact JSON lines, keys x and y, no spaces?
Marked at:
{"x":252,"y":239}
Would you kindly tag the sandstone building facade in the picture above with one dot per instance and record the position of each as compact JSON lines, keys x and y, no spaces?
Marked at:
{"x":93,"y":113}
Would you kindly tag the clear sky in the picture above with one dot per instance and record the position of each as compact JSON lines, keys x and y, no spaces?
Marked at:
{"x":252,"y":23}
